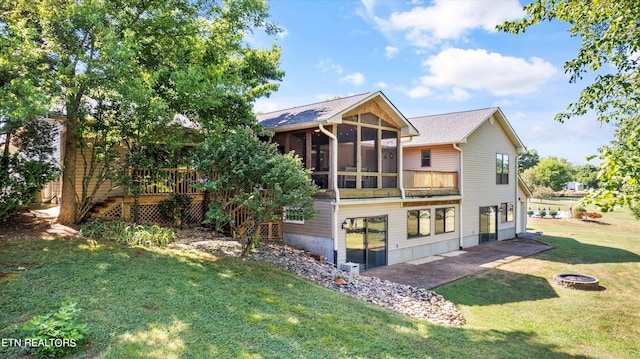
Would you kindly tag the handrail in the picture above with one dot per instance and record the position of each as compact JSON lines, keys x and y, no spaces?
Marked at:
{"x":429,"y":179}
{"x":167,"y":180}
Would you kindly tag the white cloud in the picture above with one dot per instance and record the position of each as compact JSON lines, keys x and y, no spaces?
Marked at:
{"x":326,"y":65}
{"x":355,"y":78}
{"x":419,"y":92}
{"x":381,"y":84}
{"x":447,"y":20}
{"x":457,"y":94}
{"x":490,"y":71}
{"x":390,"y":51}
{"x":265,"y":106}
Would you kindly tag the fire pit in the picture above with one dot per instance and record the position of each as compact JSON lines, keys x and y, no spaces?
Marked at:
{"x":577,"y":281}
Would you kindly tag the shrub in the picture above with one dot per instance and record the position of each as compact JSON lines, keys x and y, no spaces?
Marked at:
{"x":593,"y":215}
{"x":530,"y":213}
{"x":579,"y":214}
{"x":553,"y":214}
{"x":58,"y":332}
{"x":124,"y":233}
{"x":175,"y":209}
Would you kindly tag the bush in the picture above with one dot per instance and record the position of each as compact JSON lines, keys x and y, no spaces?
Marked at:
{"x":58,"y":332}
{"x":530,"y":213}
{"x":593,"y":215}
{"x":176,"y":208}
{"x":553,"y":214}
{"x":579,"y":214}
{"x":124,"y":233}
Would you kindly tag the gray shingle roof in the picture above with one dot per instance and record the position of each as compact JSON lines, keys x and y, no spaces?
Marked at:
{"x":448,"y":128}
{"x":316,"y":112}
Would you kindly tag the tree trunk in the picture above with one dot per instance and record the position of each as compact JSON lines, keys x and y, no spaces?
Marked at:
{"x":68,"y":200}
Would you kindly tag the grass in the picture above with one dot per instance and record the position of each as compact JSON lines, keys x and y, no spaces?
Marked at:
{"x":159,"y":303}
{"x":521,"y":297}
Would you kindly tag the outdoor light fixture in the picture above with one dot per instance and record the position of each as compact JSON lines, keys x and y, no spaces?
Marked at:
{"x":344,"y":224}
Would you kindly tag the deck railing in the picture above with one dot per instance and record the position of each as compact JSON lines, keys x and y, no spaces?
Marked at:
{"x":167,"y":180}
{"x":429,"y":179}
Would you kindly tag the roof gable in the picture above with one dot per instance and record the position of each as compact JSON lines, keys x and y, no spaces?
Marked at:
{"x":456,"y":127}
{"x":331,"y":111}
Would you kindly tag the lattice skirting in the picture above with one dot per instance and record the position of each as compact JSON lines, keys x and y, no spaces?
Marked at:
{"x":115,"y":212}
{"x":148,"y":213}
{"x":271,"y":231}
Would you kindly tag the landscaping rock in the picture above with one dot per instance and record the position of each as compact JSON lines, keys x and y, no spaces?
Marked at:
{"x":415,"y":302}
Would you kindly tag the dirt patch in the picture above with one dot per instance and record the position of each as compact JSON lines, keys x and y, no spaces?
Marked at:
{"x":26,"y":224}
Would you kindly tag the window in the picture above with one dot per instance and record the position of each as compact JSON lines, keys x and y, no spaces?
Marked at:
{"x":502,"y":168}
{"x":426,"y":158}
{"x":445,"y":220}
{"x":418,"y":223}
{"x":292,"y":215}
{"x":506,"y":210}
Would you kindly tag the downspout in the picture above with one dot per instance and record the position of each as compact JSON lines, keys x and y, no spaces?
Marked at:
{"x":336,"y":203}
{"x":515,"y":199}
{"x":461,"y":184}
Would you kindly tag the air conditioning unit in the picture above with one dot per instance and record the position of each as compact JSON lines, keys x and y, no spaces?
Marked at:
{"x":350,"y":267}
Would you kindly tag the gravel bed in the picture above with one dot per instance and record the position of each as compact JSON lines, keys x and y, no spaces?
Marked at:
{"x":415,"y":302}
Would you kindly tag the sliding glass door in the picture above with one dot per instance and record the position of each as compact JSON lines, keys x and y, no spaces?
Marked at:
{"x":366,"y":241}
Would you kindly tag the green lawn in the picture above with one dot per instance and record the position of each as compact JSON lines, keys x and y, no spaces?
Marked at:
{"x":521,"y":297}
{"x":157,"y":303}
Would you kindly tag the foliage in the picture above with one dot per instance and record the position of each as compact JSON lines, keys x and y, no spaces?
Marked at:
{"x":128,"y":234}
{"x":586,"y":175}
{"x":175,"y":208}
{"x":543,"y":192}
{"x":58,"y":331}
{"x":127,"y":72}
{"x":549,"y":172}
{"x":528,"y":160}
{"x":609,"y":34}
{"x":24,"y":171}
{"x":248,"y":174}
{"x":553,"y":214}
{"x":577,"y":214}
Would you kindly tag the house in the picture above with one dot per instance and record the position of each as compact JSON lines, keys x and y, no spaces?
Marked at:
{"x":393,"y":190}
{"x":481,"y":148}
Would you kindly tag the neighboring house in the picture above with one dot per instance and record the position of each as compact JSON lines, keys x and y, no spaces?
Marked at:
{"x":389,"y":195}
{"x":573,"y":186}
{"x":482,"y":149}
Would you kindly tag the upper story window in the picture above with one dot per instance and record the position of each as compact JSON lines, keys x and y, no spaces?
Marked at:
{"x":367,"y":152}
{"x":502,"y":168}
{"x":426,"y":158}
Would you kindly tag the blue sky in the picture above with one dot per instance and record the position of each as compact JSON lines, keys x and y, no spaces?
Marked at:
{"x":431,"y":58}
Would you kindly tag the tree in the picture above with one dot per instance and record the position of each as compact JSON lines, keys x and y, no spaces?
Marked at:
{"x":124,"y":69}
{"x":552,"y":172}
{"x":586,"y":175}
{"x":609,"y":33}
{"x":26,"y":169}
{"x":528,"y":160}
{"x":248,"y":174}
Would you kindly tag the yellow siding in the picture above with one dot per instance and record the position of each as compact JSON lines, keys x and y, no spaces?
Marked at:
{"x":444,"y":158}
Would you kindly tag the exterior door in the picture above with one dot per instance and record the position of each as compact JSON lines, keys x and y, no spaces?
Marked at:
{"x":488,"y":224}
{"x":366,"y":241}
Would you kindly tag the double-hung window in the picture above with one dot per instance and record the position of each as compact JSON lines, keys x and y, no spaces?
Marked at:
{"x":418,"y":223}
{"x":502,"y":168}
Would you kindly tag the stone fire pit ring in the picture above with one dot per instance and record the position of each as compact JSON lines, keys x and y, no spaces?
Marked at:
{"x":577,"y":281}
